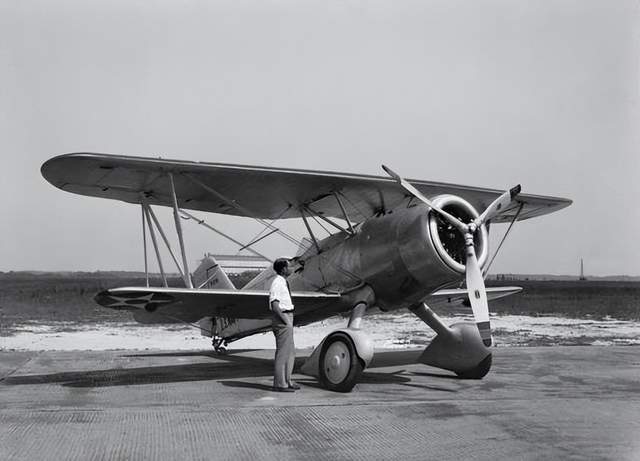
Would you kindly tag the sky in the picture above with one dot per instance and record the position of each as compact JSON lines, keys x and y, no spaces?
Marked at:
{"x":484,"y":93}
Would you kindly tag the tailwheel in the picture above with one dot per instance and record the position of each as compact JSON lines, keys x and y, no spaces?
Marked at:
{"x":340,"y":366}
{"x":219,"y":345}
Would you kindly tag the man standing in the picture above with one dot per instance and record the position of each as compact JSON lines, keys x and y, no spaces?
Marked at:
{"x":282,"y":309}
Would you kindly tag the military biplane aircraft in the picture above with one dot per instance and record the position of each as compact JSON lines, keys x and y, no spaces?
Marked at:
{"x":398,"y":244}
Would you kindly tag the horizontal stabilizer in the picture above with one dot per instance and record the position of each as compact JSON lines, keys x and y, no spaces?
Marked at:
{"x":459,"y":296}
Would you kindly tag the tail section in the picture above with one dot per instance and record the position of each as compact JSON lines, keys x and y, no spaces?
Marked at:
{"x":209,"y":274}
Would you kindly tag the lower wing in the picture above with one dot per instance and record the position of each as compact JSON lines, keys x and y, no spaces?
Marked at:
{"x":189,"y":305}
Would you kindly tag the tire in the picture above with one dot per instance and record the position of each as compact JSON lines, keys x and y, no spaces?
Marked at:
{"x":479,"y":371}
{"x":340,"y":366}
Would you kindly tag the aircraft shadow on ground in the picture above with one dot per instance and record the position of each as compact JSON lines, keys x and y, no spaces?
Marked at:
{"x":247,"y":385}
{"x":203,"y":353}
{"x":227,"y":367}
{"x":144,"y":375}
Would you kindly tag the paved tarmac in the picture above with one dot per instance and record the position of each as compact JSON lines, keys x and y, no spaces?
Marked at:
{"x":576,"y":402}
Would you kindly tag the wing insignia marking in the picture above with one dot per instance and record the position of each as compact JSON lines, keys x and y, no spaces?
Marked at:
{"x":149,"y":301}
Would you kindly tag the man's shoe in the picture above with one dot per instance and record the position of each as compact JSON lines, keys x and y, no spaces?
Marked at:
{"x":294,"y":386}
{"x":282,"y":389}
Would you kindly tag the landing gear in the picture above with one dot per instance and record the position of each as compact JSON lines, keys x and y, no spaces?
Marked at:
{"x":340,"y":358}
{"x":340,"y":367}
{"x":219,"y":345}
{"x":458,"y":348}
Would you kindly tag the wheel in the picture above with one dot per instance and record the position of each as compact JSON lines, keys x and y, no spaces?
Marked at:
{"x":340,"y":366}
{"x":221,"y":350}
{"x":219,"y":345}
{"x":479,"y":371}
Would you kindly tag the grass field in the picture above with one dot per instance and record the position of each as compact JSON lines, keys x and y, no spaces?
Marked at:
{"x":576,"y":299}
{"x":47,"y":297}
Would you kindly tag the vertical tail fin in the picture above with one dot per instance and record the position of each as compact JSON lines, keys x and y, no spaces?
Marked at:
{"x":209,"y":274}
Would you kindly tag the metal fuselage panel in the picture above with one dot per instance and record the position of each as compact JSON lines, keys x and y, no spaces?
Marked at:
{"x":393,"y":254}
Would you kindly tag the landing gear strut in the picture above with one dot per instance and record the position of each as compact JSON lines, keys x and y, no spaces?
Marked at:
{"x":458,"y":348}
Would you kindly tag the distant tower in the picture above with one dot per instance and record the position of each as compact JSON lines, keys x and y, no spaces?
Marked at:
{"x":582,"y":277}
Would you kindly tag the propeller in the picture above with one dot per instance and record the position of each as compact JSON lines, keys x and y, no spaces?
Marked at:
{"x":497,"y":205}
{"x":475,"y":281}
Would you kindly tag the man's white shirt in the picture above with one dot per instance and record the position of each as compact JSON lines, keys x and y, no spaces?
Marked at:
{"x":279,"y":291}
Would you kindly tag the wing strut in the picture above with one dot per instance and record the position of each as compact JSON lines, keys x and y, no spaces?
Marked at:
{"x":344,"y":212}
{"x":325,"y":219}
{"x":144,"y":245}
{"x":319,"y":214}
{"x":155,"y":242}
{"x":185,"y":275}
{"x":164,"y":239}
{"x":306,"y":223}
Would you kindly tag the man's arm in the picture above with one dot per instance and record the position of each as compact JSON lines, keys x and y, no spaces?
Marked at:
{"x":275,"y":307}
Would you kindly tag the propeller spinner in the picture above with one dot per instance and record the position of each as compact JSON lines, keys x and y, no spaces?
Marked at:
{"x":473,"y":274}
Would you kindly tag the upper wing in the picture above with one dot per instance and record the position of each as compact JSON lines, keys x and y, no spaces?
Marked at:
{"x":459,"y":296}
{"x":189,"y":305}
{"x":262,"y":192}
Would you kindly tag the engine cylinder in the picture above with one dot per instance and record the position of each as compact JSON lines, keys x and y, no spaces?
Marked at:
{"x":449,"y":241}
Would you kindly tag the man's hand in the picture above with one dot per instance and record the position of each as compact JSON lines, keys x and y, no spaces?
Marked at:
{"x":275,"y":307}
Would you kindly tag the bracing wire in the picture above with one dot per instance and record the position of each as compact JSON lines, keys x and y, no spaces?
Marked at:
{"x":320,"y":224}
{"x":264,"y":229}
{"x":504,"y":237}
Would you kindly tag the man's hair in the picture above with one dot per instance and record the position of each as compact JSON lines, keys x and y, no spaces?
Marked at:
{"x":279,"y":264}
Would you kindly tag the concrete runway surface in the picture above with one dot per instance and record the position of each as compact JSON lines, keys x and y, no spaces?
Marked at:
{"x":576,"y":402}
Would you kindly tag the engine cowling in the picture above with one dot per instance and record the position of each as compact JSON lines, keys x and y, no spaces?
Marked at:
{"x":409,"y":253}
{"x":448,"y":241}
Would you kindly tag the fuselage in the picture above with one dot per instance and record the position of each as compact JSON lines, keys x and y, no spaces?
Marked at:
{"x":393,"y":260}
{"x":393,"y":254}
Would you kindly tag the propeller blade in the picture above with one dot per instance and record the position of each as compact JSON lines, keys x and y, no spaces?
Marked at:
{"x":497,"y":205}
{"x":417,"y":194}
{"x":477,"y":292}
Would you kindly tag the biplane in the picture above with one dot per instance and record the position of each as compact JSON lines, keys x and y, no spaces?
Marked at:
{"x":394,"y":244}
